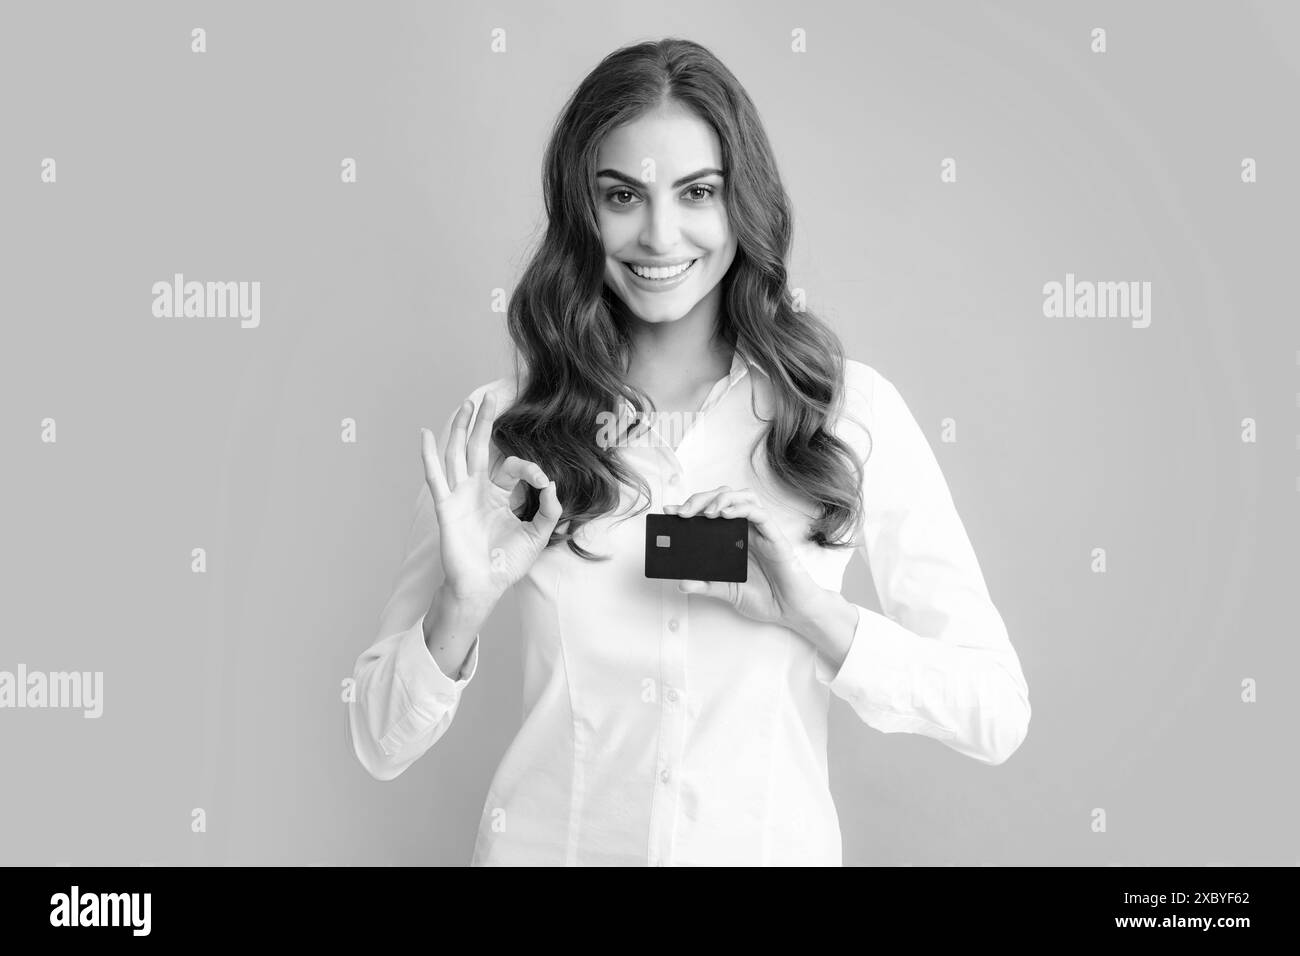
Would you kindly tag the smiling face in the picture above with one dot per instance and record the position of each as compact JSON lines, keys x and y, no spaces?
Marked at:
{"x":673,"y":228}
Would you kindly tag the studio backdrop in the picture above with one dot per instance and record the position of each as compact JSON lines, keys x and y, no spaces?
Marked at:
{"x":1065,"y":232}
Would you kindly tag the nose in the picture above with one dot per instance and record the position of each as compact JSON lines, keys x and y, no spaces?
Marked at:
{"x":661,"y":228}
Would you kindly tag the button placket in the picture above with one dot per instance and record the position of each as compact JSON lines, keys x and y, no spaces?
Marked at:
{"x":673,"y":476}
{"x":673,"y":716}
{"x":672,"y":723}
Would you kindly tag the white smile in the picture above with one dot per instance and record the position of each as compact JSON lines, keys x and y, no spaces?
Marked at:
{"x":661,"y":274}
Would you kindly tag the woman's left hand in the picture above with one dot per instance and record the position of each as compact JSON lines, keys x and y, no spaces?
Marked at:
{"x":782,"y":591}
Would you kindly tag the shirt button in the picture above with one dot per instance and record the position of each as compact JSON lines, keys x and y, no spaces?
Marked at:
{"x":672,"y":695}
{"x":664,"y":775}
{"x":672,"y":624}
{"x":674,"y":478}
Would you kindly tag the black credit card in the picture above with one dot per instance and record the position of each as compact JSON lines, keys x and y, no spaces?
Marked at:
{"x":696,"y":548}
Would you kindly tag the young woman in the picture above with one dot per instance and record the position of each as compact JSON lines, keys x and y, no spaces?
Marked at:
{"x":679,"y":723}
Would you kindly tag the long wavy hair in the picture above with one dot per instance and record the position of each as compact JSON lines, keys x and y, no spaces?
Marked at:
{"x":572,"y":332}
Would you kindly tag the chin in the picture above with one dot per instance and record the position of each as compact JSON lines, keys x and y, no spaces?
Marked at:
{"x":664,"y":314}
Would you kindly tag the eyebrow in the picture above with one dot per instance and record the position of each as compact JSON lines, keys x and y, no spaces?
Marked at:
{"x":698,"y":174}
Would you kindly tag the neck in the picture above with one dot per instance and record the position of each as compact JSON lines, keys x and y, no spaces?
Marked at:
{"x":668,"y":356}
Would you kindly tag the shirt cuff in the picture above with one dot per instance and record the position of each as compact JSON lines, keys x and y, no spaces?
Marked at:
{"x":876,"y":671}
{"x":423,"y":679}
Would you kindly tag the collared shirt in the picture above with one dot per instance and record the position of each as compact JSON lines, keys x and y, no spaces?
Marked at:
{"x":662,"y":728}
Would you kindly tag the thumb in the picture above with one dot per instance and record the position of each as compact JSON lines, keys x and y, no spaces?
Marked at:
{"x":548,"y":513}
{"x":722,"y":590}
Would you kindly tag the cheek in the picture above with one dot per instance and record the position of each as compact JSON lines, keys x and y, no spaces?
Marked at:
{"x":713,"y":234}
{"x":616,"y":232}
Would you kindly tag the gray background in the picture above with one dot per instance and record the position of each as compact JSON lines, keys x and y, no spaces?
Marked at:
{"x":222,"y":690}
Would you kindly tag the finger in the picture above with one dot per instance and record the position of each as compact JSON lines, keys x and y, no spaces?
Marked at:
{"x":746,"y":504}
{"x":481,"y":435}
{"x":728,"y":591}
{"x":548,"y":514}
{"x":759,"y":518}
{"x":727,"y":499}
{"x":695,"y":502}
{"x":762,"y":524}
{"x":433,"y":475}
{"x":455,"y":453}
{"x":514,"y":470}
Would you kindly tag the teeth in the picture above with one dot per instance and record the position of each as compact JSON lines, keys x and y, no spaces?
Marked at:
{"x":666,"y":273}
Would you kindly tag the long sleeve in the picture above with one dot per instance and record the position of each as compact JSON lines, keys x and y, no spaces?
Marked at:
{"x":938,"y":660}
{"x":404,"y":702}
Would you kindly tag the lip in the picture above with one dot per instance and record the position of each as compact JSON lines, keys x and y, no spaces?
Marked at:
{"x":661,"y":285}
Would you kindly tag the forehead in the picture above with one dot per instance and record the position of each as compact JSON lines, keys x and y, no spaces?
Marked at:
{"x":673,"y":136}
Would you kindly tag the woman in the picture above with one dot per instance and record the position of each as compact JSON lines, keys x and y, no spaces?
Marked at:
{"x":679,"y":723}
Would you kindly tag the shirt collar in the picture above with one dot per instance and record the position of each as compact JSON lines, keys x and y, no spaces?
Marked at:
{"x":740,"y":367}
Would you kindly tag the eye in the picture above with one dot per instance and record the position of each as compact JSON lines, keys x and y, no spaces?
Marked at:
{"x":700,"y":193}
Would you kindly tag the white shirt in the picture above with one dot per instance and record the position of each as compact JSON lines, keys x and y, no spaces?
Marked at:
{"x":662,"y":728}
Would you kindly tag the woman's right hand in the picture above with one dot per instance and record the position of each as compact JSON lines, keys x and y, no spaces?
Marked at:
{"x":485,"y":547}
